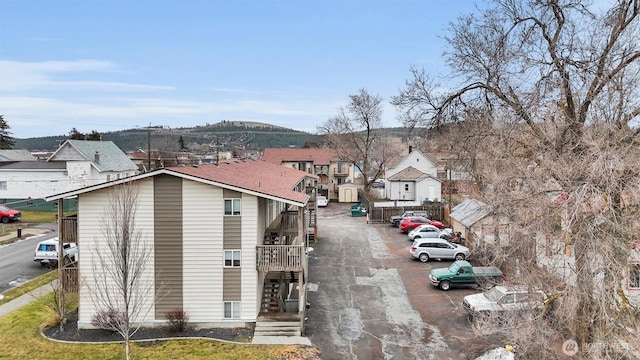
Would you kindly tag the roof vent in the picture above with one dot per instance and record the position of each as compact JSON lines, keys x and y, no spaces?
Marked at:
{"x":96,"y":157}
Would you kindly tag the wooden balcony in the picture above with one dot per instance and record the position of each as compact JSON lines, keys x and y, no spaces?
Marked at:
{"x":280,"y":257}
{"x":285,"y":225}
{"x":341,"y":172}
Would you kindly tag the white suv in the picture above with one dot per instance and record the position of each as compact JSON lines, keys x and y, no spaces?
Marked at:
{"x":435,"y":248}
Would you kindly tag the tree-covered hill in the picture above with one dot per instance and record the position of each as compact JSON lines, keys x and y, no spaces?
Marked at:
{"x":225,"y":134}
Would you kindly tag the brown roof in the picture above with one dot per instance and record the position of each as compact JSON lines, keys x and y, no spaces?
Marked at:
{"x":317,"y":156}
{"x":253,"y":175}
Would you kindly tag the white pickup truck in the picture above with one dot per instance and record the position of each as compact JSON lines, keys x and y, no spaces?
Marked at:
{"x":46,"y":252}
{"x":504,"y":300}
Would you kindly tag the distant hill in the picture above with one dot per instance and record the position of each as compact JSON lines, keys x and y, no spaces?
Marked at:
{"x":225,"y":134}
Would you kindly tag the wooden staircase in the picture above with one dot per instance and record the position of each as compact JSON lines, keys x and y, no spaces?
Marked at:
{"x":271,"y":295}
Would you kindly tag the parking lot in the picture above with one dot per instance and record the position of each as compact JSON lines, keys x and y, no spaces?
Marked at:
{"x":370,"y":300}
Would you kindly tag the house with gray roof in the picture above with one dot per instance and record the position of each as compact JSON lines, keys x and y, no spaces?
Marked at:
{"x":413,"y":178}
{"x":477,"y":223}
{"x":75,"y":164}
{"x":16,"y":155}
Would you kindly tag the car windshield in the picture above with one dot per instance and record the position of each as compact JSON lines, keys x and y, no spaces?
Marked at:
{"x":494,"y":294}
{"x":453,"y":268}
{"x":3,"y":208}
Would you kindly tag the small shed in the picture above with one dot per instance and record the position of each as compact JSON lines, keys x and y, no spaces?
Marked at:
{"x":348,"y":193}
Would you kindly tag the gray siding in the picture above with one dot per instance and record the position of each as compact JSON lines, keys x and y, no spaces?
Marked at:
{"x":232,"y":284}
{"x":232,"y":232}
{"x":232,"y":239}
{"x":167,"y":193}
{"x":228,"y":194}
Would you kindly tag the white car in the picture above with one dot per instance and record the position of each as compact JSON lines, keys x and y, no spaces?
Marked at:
{"x":424,"y":231}
{"x":322,"y":201}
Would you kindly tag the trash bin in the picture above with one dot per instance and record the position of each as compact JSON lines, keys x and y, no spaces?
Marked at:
{"x":356,"y":210}
{"x":19,"y":233}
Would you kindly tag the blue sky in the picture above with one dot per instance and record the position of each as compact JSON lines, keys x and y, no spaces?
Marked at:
{"x":113,"y":65}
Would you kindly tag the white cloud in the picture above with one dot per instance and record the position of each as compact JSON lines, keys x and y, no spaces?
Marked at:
{"x":41,"y":76}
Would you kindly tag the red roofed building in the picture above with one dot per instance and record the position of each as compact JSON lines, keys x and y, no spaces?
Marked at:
{"x":321,"y":162}
{"x":229,"y":242}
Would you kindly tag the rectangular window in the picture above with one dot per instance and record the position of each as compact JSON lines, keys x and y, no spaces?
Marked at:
{"x":232,"y":206}
{"x":634,"y":276}
{"x":232,"y":309}
{"x":108,"y":177}
{"x":548,"y":246}
{"x":302,"y":166}
{"x":3,"y":185}
{"x":232,"y":258}
{"x":406,"y":187}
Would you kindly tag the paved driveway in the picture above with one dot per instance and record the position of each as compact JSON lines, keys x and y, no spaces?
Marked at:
{"x":370,"y":300}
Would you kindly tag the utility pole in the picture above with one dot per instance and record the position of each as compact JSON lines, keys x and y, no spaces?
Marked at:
{"x":149,"y":147}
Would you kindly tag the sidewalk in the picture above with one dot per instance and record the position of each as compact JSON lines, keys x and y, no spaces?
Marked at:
{"x":29,"y":230}
{"x":26,"y":299}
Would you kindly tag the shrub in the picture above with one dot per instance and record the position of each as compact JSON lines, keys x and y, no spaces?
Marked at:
{"x":177,"y":320}
{"x":109,"y":319}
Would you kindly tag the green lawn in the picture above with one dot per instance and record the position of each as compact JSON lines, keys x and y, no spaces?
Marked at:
{"x":21,"y":339}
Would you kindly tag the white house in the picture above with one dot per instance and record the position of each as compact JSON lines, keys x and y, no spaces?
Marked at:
{"x":228,"y":241}
{"x":413,"y":178}
{"x":75,"y":164}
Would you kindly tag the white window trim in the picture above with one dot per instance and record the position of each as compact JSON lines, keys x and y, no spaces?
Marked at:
{"x":232,"y":252}
{"x":234,"y":315}
{"x":232,"y":203}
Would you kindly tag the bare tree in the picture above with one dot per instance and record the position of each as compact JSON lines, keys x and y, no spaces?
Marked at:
{"x":122,"y":283}
{"x":358,"y":137}
{"x":548,"y":104}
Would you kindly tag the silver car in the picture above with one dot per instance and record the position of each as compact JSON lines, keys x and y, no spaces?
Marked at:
{"x":425,"y":249}
{"x":424,"y":231}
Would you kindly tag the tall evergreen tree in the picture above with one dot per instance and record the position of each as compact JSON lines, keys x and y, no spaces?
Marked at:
{"x":6,"y":140}
{"x":74,"y":134}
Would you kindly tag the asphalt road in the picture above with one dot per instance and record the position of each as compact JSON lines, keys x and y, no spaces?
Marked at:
{"x":16,"y":262}
{"x":370,"y":300}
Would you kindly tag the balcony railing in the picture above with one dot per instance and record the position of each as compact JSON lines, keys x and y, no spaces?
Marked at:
{"x":341,"y":172}
{"x":280,"y":257}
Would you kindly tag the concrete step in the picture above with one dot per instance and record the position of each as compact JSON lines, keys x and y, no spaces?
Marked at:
{"x":278,"y":333}
{"x":275,"y":324}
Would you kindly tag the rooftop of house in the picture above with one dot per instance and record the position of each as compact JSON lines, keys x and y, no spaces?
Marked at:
{"x":408,"y":173}
{"x":254,"y":175}
{"x":16,"y":155}
{"x":321,"y":156}
{"x":104,"y":155}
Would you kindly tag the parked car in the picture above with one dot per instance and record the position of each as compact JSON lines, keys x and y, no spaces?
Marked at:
{"x":322,"y":201}
{"x":395,"y":219}
{"x":411,"y":222}
{"x":462,"y":273}
{"x":437,"y":224}
{"x":436,"y":248}
{"x":7,"y":214}
{"x":46,"y":252}
{"x":500,"y":300}
{"x":424,"y":231}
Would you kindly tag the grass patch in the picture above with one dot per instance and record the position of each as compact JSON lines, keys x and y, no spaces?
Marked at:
{"x":29,"y":286}
{"x":22,"y":327}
